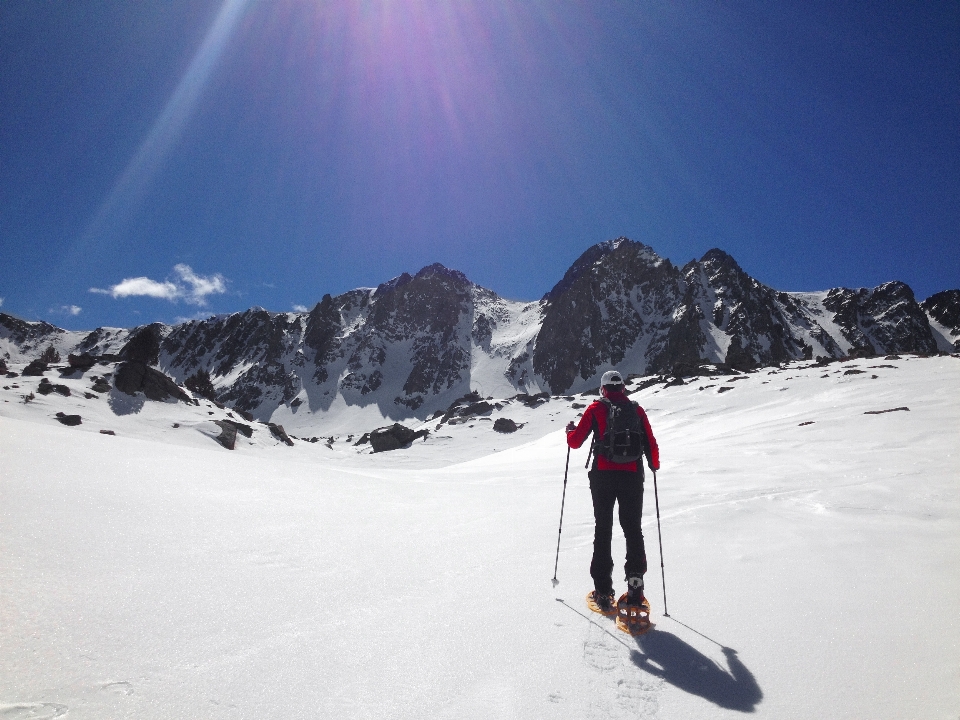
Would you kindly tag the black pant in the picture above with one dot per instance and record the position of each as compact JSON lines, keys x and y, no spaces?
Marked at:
{"x":625,"y":488}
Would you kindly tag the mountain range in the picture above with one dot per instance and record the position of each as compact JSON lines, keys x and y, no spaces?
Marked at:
{"x":411,"y":346}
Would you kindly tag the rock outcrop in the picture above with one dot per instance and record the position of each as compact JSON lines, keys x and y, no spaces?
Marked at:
{"x":133,"y":377}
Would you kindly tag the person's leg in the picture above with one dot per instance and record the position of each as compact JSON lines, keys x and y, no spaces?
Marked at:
{"x":604,"y":492}
{"x":630,"y":499}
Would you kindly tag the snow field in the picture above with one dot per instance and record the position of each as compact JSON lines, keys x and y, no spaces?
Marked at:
{"x":162,"y":576}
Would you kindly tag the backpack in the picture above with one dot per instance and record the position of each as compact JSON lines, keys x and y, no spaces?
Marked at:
{"x":625,"y":440}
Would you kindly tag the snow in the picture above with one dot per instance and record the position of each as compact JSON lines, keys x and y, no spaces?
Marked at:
{"x":811,"y":570}
{"x":945,"y":336}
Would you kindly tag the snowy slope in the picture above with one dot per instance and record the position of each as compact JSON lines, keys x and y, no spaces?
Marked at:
{"x":811,"y":569}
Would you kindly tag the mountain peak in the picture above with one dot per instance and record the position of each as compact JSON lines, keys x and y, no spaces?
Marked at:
{"x":438,"y":269}
{"x":597,"y":253}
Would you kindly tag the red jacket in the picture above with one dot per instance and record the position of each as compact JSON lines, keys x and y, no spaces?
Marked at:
{"x":595,"y":419}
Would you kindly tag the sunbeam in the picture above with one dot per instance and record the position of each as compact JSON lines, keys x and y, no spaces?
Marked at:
{"x":167,"y":128}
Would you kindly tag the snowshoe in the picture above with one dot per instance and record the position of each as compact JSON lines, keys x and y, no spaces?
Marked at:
{"x":602,"y":604}
{"x":633,"y":618}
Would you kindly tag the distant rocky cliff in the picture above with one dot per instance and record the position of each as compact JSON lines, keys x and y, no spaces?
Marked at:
{"x":418,"y":342}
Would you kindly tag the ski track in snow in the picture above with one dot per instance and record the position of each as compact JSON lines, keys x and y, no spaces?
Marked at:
{"x":156,"y":574}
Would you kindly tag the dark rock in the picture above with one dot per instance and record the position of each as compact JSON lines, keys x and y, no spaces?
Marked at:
{"x":245,"y":415}
{"x":532,"y":400}
{"x":505,"y":425}
{"x":478,"y":408}
{"x":676,"y":381}
{"x":144,"y":345}
{"x":107,"y":432}
{"x":83,"y":361}
{"x":13,"y":375}
{"x":36,"y":368}
{"x":644,"y":384}
{"x":724,"y":389}
{"x":854,"y":372}
{"x":244,"y":430}
{"x":46,"y":387}
{"x":3,"y":366}
{"x":50,"y":355}
{"x":199,"y":384}
{"x":808,"y":422}
{"x":881,"y":412}
{"x":91,"y":396}
{"x":364,"y":439}
{"x":393,"y":437}
{"x":70,"y":420}
{"x":278,"y":432}
{"x":133,"y":377}
{"x":297,"y":402}
{"x":101,"y":386}
{"x":686,"y":370}
{"x":228,"y":434}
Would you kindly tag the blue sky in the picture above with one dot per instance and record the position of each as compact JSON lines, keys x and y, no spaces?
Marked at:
{"x":173,"y":160}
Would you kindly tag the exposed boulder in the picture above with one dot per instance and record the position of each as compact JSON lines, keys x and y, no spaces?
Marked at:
{"x":505,"y":425}
{"x":393,"y":437}
{"x":279,"y":433}
{"x":36,"y":368}
{"x":134,"y":377}
{"x":244,"y":430}
{"x":46,"y":387}
{"x":100,"y":385}
{"x":83,"y":361}
{"x":228,"y":434}
{"x":70,"y":420}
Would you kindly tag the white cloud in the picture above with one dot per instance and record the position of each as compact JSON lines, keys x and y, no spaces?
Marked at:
{"x":141,"y":286}
{"x":66,"y":310}
{"x":300,"y":308}
{"x":189,"y":287}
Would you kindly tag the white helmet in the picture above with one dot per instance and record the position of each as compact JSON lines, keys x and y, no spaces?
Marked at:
{"x":611,"y":377}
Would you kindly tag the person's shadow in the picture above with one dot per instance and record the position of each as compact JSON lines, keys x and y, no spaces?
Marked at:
{"x":667,"y":656}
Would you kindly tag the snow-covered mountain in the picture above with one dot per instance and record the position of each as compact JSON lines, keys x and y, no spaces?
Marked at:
{"x":413,"y":345}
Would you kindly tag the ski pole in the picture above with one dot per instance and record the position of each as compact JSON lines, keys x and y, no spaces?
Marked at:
{"x":560,"y":529}
{"x":663,"y":578}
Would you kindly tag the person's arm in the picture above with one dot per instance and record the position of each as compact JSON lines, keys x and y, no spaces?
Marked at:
{"x":576,"y":434}
{"x":653,"y":452}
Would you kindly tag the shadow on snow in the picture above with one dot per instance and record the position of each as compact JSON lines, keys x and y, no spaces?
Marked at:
{"x":666,"y":656}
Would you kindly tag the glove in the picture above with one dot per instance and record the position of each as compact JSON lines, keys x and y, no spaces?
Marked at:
{"x":650,"y":465}
{"x":571,"y":427}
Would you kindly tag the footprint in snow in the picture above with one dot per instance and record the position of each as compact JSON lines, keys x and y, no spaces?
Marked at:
{"x":120,"y":687}
{"x":32,"y":711}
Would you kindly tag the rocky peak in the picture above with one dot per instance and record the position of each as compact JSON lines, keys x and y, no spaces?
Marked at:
{"x":596,"y":313}
{"x":944,"y":307}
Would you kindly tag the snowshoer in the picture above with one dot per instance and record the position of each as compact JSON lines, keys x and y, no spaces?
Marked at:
{"x":621,"y":437}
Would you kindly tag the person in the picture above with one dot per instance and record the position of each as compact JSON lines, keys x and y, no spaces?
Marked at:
{"x":615,"y":482}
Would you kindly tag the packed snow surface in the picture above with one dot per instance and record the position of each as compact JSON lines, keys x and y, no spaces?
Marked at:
{"x":811,"y":560}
